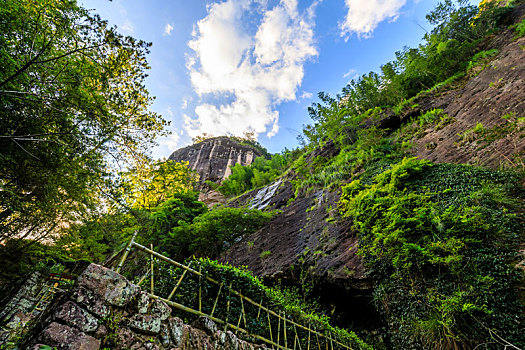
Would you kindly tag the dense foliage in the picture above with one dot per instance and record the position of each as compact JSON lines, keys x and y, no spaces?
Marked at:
{"x":439,"y":240}
{"x":228,"y":307}
{"x":261,"y":172}
{"x":206,"y":235}
{"x":72,"y":95}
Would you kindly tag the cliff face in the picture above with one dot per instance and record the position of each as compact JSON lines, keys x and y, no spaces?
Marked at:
{"x":212,"y":158}
{"x":485,"y":109}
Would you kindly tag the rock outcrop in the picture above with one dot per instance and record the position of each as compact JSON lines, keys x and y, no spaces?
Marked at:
{"x":212,"y":158}
{"x":105,"y":310}
{"x":486,"y":110}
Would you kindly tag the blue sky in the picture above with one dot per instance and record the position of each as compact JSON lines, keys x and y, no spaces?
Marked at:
{"x":225,"y":67}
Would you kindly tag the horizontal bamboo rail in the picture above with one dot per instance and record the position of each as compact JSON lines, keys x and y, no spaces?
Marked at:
{"x":215,"y":319}
{"x":153,"y":253}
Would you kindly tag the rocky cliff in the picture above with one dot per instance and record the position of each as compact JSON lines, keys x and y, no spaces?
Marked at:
{"x":212,"y":158}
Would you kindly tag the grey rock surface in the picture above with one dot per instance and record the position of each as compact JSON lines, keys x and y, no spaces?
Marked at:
{"x":212,"y":158}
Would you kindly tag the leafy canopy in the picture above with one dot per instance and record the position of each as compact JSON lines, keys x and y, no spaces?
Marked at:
{"x":72,"y":105}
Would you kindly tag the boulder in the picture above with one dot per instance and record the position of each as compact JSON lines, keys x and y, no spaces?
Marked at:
{"x":148,"y":324}
{"x":108,"y":285}
{"x":205,"y":324}
{"x":66,"y":338}
{"x":71,"y":314}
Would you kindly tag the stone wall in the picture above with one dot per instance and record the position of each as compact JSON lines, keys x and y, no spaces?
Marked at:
{"x":104,"y":310}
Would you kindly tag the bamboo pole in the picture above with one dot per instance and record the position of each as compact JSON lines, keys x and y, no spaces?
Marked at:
{"x":228,"y":308}
{"x":309,"y":334}
{"x":298,"y":339}
{"x":259,"y":312}
{"x":126,"y":252}
{"x":216,"y":300}
{"x":279,"y":331}
{"x":200,"y":288}
{"x":142,"y":278}
{"x":284,"y":329}
{"x":270,"y":326}
{"x":152,"y":283}
{"x":178,"y":284}
{"x":243,"y":314}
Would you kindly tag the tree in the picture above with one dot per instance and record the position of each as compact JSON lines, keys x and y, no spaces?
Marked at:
{"x":72,"y":105}
{"x":150,"y":185}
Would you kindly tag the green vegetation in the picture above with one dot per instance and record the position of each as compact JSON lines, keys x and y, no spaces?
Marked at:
{"x":520,"y":29}
{"x":71,"y":97}
{"x":261,"y":172}
{"x":439,"y":240}
{"x":265,"y":254}
{"x":481,"y":58}
{"x":230,"y":307}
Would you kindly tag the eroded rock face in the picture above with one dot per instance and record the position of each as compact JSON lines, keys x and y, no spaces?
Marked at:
{"x":492,"y":96}
{"x":212,"y":158}
{"x":303,"y":234}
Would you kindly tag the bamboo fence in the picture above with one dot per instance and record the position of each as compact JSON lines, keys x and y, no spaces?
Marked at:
{"x":279,"y":340}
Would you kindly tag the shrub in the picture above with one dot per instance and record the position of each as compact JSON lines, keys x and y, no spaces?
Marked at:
{"x":439,"y":240}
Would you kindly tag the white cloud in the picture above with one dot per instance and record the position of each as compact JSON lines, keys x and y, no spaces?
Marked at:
{"x":168,"y":28}
{"x":257,"y":68}
{"x":171,"y":142}
{"x":185,"y":102}
{"x":351,"y":72}
{"x":363,"y":16}
{"x":306,"y":94}
{"x":128,"y":26}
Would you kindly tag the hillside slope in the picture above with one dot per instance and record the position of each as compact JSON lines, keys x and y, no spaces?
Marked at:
{"x":476,"y":119}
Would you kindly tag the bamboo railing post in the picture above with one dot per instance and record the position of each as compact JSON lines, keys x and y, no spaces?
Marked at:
{"x":270,"y":325}
{"x":279,"y":329}
{"x":142,"y":278}
{"x":126,"y":252}
{"x":152,"y":282}
{"x":284,"y":329}
{"x":297,"y":337}
{"x":178,"y":283}
{"x":216,"y":300}
{"x":259,"y":312}
{"x":330,"y":337}
{"x":318,"y":344}
{"x":243,"y":315}
{"x":200,"y":288}
{"x":240,"y":317}
{"x":228,"y":308}
{"x":309,"y":334}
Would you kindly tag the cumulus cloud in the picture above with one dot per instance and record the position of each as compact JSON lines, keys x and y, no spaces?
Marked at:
{"x":253,"y":67}
{"x":168,"y":28}
{"x":363,"y":16}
